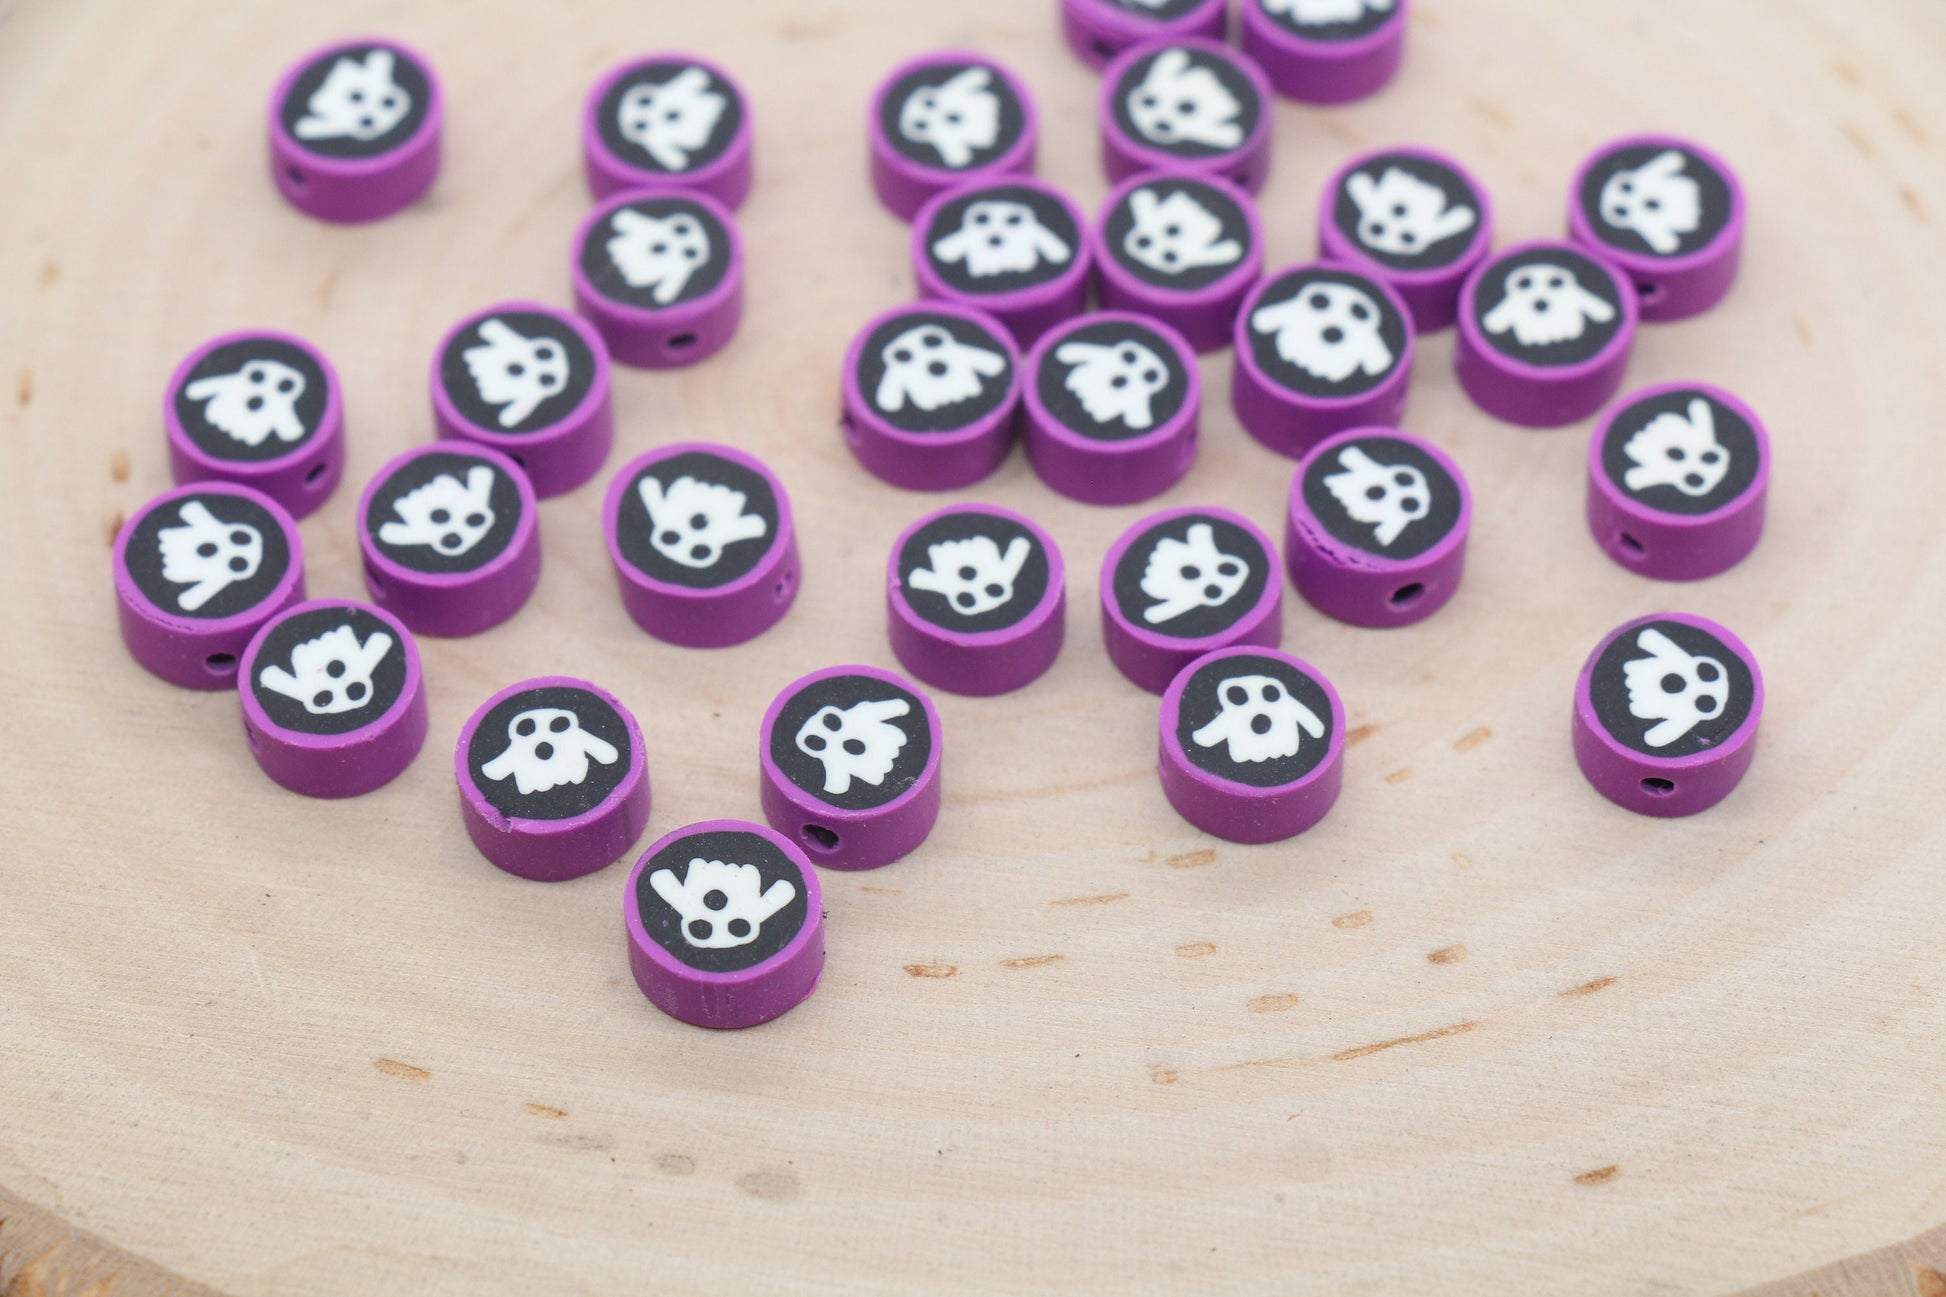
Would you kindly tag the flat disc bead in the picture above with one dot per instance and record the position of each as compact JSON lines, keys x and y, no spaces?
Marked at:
{"x":1015,"y":248}
{"x":1185,"y":103}
{"x":1376,"y":526}
{"x":659,"y":273}
{"x":976,"y":600}
{"x":931,"y":396}
{"x":198,"y":571}
{"x":1413,"y":218}
{"x":725,"y":924}
{"x":1252,"y":744}
{"x":1181,"y":247}
{"x":946,"y":119}
{"x":1326,"y":51}
{"x":451,"y":538}
{"x":1545,"y":331}
{"x":1668,"y":213}
{"x":1098,"y":30}
{"x":532,"y":382}
{"x":1666,"y":711}
{"x":333,"y":701}
{"x":1112,"y":406}
{"x":848,"y":759}
{"x":354,"y":130}
{"x":669,"y":119}
{"x":262,"y":409}
{"x":1182,"y":583}
{"x":553,"y":778}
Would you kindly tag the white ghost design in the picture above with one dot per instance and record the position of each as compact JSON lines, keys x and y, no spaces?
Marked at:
{"x":1114,"y":380}
{"x":206,"y":555}
{"x":929,"y":367}
{"x":693,"y":522}
{"x":972,"y":574}
{"x":1183,"y":575}
{"x":1546,"y":304}
{"x":1320,"y":13}
{"x":957,"y":118}
{"x":1655,"y":200}
{"x":1673,"y":688}
{"x":856,"y":742}
{"x":1403,"y":215}
{"x":1330,"y":331}
{"x":355,"y":99}
{"x":446,"y":514}
{"x":997,"y":236}
{"x":546,"y":747}
{"x":332,"y":673}
{"x":1180,"y":102}
{"x":672,"y":120}
{"x":1174,"y":234}
{"x":515,"y":372}
{"x":1670,"y":450}
{"x":1388,"y":497}
{"x":255,"y":403}
{"x":1258,"y":720}
{"x":722,"y":905}
{"x":659,"y":253}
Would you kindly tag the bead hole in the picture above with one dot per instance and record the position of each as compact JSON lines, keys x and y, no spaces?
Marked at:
{"x":1655,"y":786}
{"x":297,"y":177}
{"x":848,"y":426}
{"x":1103,"y":50}
{"x":220,"y":664}
{"x":785,"y":584}
{"x":1648,"y":292}
{"x":315,"y":477}
{"x":1407,"y":595}
{"x":375,"y":581}
{"x":1630,"y":547}
{"x":818,"y":838}
{"x":681,"y":342}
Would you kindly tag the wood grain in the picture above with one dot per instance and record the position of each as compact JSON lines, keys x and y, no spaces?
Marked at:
{"x":260,"y":1045}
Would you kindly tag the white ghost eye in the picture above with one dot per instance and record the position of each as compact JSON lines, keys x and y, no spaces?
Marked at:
{"x":1014,"y":218}
{"x":1411,"y":506}
{"x":524,"y":726}
{"x":1555,"y":281}
{"x":902,"y":356}
{"x":1318,"y":302}
{"x":1523,"y":282}
{"x":1236,"y":695}
{"x":1272,"y":693}
{"x":255,"y":374}
{"x":982,"y":216}
{"x":1359,"y":311}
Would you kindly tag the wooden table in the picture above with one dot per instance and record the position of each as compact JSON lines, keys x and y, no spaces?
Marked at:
{"x":1479,"y":1032}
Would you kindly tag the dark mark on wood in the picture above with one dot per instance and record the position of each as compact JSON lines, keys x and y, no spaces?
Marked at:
{"x":1163,"y":1075}
{"x":1910,"y":197}
{"x":1473,"y":738}
{"x":1447,"y":955}
{"x":676,"y":1164}
{"x":1910,"y":125}
{"x":1196,"y":949}
{"x":1859,"y":140}
{"x":1399,"y":776}
{"x":50,"y":274}
{"x":24,"y":387}
{"x":1032,"y":961}
{"x":546,"y":1110}
{"x":1491,"y":111}
{"x":403,"y":1071}
{"x":771,"y":1186}
{"x":118,"y":466}
{"x":1930,"y":1282}
{"x":1092,"y":900}
{"x":113,"y":523}
{"x":1845,"y":72}
{"x":1457,"y":1029}
{"x":1193,"y":859}
{"x":1588,"y":988}
{"x":1803,"y":327}
{"x":881,"y":891}
{"x":1356,"y":919}
{"x":1600,"y":1175}
{"x":599,"y":1141}
{"x":930,"y":970}
{"x":1358,"y":734}
{"x":1272,"y":1003}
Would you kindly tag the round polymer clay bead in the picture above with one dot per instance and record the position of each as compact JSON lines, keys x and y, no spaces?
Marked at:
{"x":1319,"y":349}
{"x":1669,"y":213}
{"x":1185,"y":582}
{"x":943,"y":120}
{"x":976,"y":600}
{"x":261,"y":409}
{"x":702,"y":543}
{"x":197,"y":571}
{"x":1253,"y":744}
{"x":553,"y":779}
{"x":1544,"y":334}
{"x":931,"y":395}
{"x":850,"y":761}
{"x":531,"y":382}
{"x":1112,"y":406}
{"x":1375,"y":534}
{"x":1677,"y":475}
{"x":1182,"y":248}
{"x":1412,"y":218}
{"x":1015,"y":248}
{"x":1665,"y":714}
{"x":667,"y":119}
{"x":1186,"y":104}
{"x":725,"y":924}
{"x":333,"y":702}
{"x":451,"y":538}
{"x":1326,"y":51}
{"x":354,"y":130}
{"x":1098,"y":30}
{"x":660,"y":274}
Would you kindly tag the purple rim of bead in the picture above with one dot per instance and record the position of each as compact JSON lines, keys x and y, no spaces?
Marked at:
{"x":287,"y":474}
{"x":522,"y":550}
{"x":1413,"y":286}
{"x":1047,"y":619}
{"x":895,"y":819}
{"x":1645,"y":265}
{"x":203,"y":637}
{"x":1249,"y":630}
{"x":725,"y":178}
{"x":1557,"y":375}
{"x":1323,"y":780}
{"x":1142,"y":157}
{"x":1732,"y":756}
{"x":895,"y":176}
{"x":692,"y":314}
{"x":518,"y":445}
{"x":1223,"y":294}
{"x":531,"y":848}
{"x":1610,"y":507}
{"x":1123,"y":457}
{"x":1098,"y":30}
{"x":791,"y":989}
{"x":860,"y":418}
{"x":408,"y":159}
{"x":1021,"y":300}
{"x":1348,"y":66}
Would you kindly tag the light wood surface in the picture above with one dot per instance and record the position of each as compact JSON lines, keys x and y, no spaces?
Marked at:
{"x":1479,"y":1032}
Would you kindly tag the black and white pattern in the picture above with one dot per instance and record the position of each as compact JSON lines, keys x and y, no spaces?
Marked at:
{"x":971,"y":571}
{"x":329,"y":670}
{"x":552,"y":752}
{"x":1548,"y":306}
{"x":445,"y":511}
{"x":1191,"y":577}
{"x":1382,"y":495}
{"x":253,"y":399}
{"x":1179,"y":234}
{"x":669,"y":115}
{"x":656,"y":253}
{"x":1113,"y":380}
{"x":1407,"y":212}
{"x":852,"y":741}
{"x":697,"y":519}
{"x":1670,"y":689}
{"x":517,"y":371}
{"x":722,"y":901}
{"x":1187,"y":101}
{"x":1254,"y":720}
{"x":1001,"y":238}
{"x":1327,"y":332}
{"x":208,"y":556}
{"x":1681,"y":452}
{"x":952,"y":116}
{"x":1329,"y":20}
{"x":357,"y":102}
{"x":1655,"y":200}
{"x":927,"y":371}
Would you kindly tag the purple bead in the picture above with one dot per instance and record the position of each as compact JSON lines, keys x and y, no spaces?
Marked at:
{"x":1183,"y":583}
{"x":931,"y":395}
{"x":660,"y":274}
{"x":261,"y":409}
{"x":1253,"y":744}
{"x":1665,"y":714}
{"x":667,"y":120}
{"x":1669,"y":213}
{"x":947,"y":119}
{"x":850,"y":764}
{"x":1185,"y":104}
{"x":1326,"y":51}
{"x":1414,"y":219}
{"x":1112,"y":406}
{"x":725,"y":924}
{"x":976,"y":600}
{"x":531,"y":382}
{"x":1676,"y":480}
{"x":702,"y":543}
{"x":333,"y":702}
{"x":1319,"y":349}
{"x":1098,"y":30}
{"x":354,"y":130}
{"x":1183,"y":248}
{"x":1544,"y":334}
{"x":1015,"y":248}
{"x":197,"y":571}
{"x":553,"y":779}
{"x":1376,"y":530}
{"x":451,"y":539}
